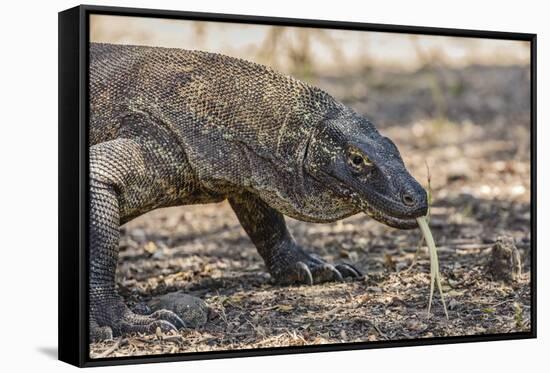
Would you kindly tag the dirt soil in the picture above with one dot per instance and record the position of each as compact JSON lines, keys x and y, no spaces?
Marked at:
{"x":471,"y":126}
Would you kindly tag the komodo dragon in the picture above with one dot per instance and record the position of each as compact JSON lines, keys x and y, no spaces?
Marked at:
{"x":177,"y":127}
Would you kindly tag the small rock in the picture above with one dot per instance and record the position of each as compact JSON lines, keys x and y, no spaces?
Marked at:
{"x":192,"y":310}
{"x":504,"y":263}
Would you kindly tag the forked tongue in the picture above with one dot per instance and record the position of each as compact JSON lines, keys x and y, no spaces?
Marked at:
{"x":435,"y":277}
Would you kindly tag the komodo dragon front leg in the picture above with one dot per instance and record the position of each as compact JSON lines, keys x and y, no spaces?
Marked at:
{"x":118,"y":174}
{"x":286,"y":261}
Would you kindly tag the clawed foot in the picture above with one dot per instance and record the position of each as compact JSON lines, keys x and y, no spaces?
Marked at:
{"x":117,"y":319}
{"x":299,"y":267}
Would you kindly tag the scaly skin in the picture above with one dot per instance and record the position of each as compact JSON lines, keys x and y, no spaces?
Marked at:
{"x":174,"y":127}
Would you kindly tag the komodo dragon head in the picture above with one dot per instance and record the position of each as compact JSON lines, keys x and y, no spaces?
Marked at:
{"x":348,"y":155}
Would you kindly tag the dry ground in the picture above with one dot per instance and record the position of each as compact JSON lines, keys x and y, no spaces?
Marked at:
{"x":475,"y":138}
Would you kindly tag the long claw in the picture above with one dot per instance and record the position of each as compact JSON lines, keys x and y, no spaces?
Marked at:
{"x":347,"y":270}
{"x":164,"y":326}
{"x":304,"y":274}
{"x":299,"y":267}
{"x":325,"y":273}
{"x":149,"y":328}
{"x":170,"y":317}
{"x":124,"y":321}
{"x":337,"y":275}
{"x":297,"y":273}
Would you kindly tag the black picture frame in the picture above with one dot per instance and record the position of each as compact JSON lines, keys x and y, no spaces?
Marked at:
{"x":73,"y":181}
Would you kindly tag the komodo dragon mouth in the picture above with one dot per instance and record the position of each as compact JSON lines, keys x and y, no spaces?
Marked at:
{"x":392,"y":221}
{"x":395,"y":219}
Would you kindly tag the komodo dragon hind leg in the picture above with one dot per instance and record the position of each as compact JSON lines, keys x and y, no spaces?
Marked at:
{"x":111,"y":168}
{"x":286,"y":261}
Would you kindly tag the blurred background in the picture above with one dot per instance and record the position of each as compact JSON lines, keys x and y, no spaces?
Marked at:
{"x":292,"y":48}
{"x":459,"y":111}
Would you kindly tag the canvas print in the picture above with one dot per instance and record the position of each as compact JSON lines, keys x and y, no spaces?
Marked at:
{"x":255,"y":186}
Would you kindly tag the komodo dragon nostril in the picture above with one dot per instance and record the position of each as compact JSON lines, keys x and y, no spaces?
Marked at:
{"x":407,"y":199}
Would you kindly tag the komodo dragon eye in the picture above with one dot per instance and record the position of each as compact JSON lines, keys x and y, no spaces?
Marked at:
{"x":358,"y":160}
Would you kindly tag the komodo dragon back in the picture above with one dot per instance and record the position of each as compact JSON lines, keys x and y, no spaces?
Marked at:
{"x":230,"y":96}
